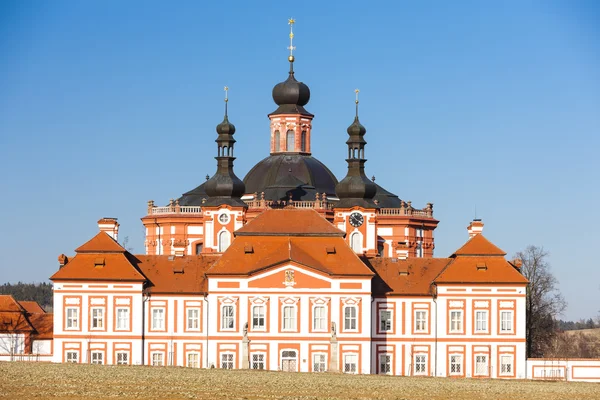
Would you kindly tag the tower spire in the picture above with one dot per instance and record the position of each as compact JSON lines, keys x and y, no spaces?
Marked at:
{"x":356,"y":101}
{"x":226,"y":89}
{"x":291,"y":47}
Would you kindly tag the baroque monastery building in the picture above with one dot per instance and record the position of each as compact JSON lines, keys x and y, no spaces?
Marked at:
{"x":291,"y":269}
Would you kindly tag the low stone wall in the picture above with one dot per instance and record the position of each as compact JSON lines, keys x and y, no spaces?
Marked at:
{"x":575,"y":369}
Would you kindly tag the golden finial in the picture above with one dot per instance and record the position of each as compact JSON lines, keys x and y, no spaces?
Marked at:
{"x":226,"y":89}
{"x":291,"y":48}
{"x":356,"y":101}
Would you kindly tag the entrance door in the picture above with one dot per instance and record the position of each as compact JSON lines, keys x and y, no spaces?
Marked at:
{"x":289,"y":361}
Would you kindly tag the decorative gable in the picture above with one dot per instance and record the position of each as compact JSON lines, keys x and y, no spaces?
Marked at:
{"x":289,"y":278}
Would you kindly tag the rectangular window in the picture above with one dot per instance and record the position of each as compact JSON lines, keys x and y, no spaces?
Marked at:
{"x":506,"y":321}
{"x":193,"y":360}
{"x":193,"y":319}
{"x":385,"y":364}
{"x":227,"y":317}
{"x":319,"y":362}
{"x":97,"y":357}
{"x":350,"y":318}
{"x":258,"y":317}
{"x":72,"y":357}
{"x":158,"y":359}
{"x":97,"y":318}
{"x":420,"y":364}
{"x":72,"y":318}
{"x":289,"y":318}
{"x":506,"y":365}
{"x":456,"y":364}
{"x":258,"y":361}
{"x":385,"y":320}
{"x":350,"y":363}
{"x":481,"y":324}
{"x":122,"y":319}
{"x":158,"y":319}
{"x":456,"y":321}
{"x":319,"y":318}
{"x":420,"y":321}
{"x":481,"y":364}
{"x":122,"y":358}
{"x":227,"y":360}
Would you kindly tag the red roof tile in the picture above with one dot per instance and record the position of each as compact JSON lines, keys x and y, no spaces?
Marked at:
{"x":289,"y":222}
{"x":32,"y":307}
{"x":99,"y":266}
{"x":250,"y":254}
{"x":43,"y":325}
{"x":168,"y":274}
{"x":478,"y":245}
{"x":480,"y":270}
{"x":413,"y":276}
{"x":101,"y":243}
{"x":8,"y":303}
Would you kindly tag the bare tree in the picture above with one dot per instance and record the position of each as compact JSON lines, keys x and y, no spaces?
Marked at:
{"x":544,"y":301}
{"x":13,"y":329}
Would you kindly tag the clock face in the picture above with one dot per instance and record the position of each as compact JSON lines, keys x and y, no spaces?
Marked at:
{"x":223,"y":218}
{"x":356,"y":219}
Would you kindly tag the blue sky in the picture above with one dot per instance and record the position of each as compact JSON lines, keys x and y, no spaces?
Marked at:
{"x":471,"y":105}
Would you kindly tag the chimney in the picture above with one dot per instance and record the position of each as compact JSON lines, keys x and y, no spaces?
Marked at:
{"x":110,"y":226}
{"x":517,"y":262}
{"x":475,"y":227}
{"x":62,"y":260}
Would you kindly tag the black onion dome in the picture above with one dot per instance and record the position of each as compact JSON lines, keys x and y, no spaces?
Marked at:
{"x":225,"y":128}
{"x":224,"y":184}
{"x":291,"y":96}
{"x":356,"y":129}
{"x":356,"y":189}
{"x":306,"y":174}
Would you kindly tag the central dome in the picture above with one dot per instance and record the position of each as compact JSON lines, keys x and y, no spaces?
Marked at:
{"x":279,"y":175}
{"x":291,"y":96}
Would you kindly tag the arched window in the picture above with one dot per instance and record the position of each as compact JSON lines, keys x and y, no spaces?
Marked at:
{"x":276,"y":142}
{"x":198,"y":248}
{"x":224,"y":239}
{"x":303,"y":141}
{"x":356,"y":242}
{"x":290,"y":140}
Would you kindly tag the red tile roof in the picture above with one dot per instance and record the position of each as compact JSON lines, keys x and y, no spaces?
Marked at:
{"x":43,"y":325}
{"x":410,"y":277}
{"x":289,"y":222}
{"x":250,"y":254}
{"x":12,"y":316}
{"x":32,"y":307}
{"x":8,"y":303}
{"x":168,"y":274}
{"x":478,"y":245}
{"x":99,"y":266}
{"x":101,"y":243}
{"x":472,"y":269}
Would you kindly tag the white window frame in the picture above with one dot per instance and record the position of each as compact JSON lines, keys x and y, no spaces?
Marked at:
{"x":157,"y":358}
{"x":319,"y":362}
{"x":506,"y":324}
{"x":481,"y":365}
{"x":97,"y":318}
{"x":421,"y":317}
{"x":319,"y":318}
{"x":356,"y":242}
{"x":158,"y":319}
{"x":122,"y":358}
{"x":507,"y":365}
{"x":350,"y":363}
{"x":456,"y":321}
{"x":97,"y":357}
{"x":72,"y":320}
{"x":350,"y":320}
{"x":227,"y":360}
{"x":193,"y":359}
{"x":386,"y":325}
{"x":290,"y":145}
{"x":288,"y":322}
{"x":481,"y":324}
{"x":385,"y":363}
{"x":223,"y":244}
{"x":258,"y":317}
{"x":193,"y":321}
{"x":72,"y":356}
{"x":456,"y":360}
{"x":122,"y":320}
{"x":420,"y":364}
{"x":258,"y":360}
{"x":227,"y":318}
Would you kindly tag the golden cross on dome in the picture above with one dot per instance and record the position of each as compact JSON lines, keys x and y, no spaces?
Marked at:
{"x":291,"y":48}
{"x":357,"y":92}
{"x":226,"y":89}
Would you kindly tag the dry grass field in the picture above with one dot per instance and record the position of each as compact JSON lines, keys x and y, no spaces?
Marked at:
{"x":69,"y":381}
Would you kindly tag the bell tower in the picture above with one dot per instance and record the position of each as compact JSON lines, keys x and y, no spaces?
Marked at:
{"x":291,"y":124}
